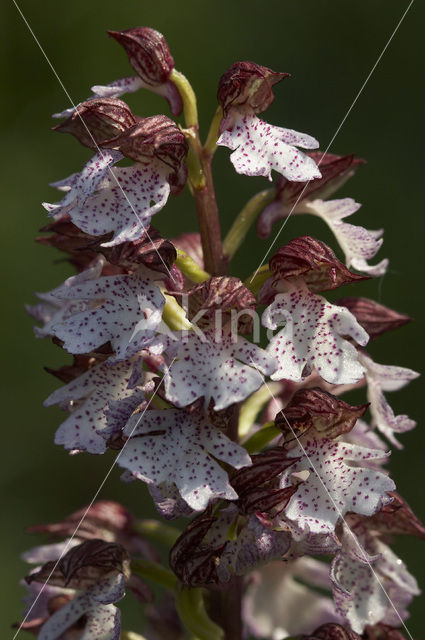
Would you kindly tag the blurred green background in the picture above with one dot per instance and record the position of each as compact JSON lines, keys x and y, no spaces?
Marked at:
{"x":329,"y":47}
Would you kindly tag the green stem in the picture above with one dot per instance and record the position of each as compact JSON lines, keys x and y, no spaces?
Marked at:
{"x":131,"y":635}
{"x":157,"y":531}
{"x":201,"y":180}
{"x":174,"y":315}
{"x":245,"y":219}
{"x":190,"y":268}
{"x":252,"y":407}
{"x":209,"y":222}
{"x":191,"y":609}
{"x":261,"y":438}
{"x":210,"y":145}
{"x":155,"y":572}
{"x":188,"y":97}
{"x":256,"y":281}
{"x":225,"y":607}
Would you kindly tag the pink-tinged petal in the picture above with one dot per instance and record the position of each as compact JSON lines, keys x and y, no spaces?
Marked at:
{"x":128,"y":310}
{"x":334,"y":485}
{"x":53,"y":310}
{"x":276,"y":606}
{"x":389,"y":377}
{"x":227,"y":371}
{"x":313,"y":544}
{"x":119,"y":87}
{"x":382,"y":378}
{"x":312,"y":336}
{"x":103,"y":621}
{"x":88,"y":397}
{"x":358,"y":244}
{"x":47,"y":552}
{"x":79,"y":186}
{"x":359,"y":597}
{"x":36,"y":602}
{"x":175,"y":447}
{"x":168,"y":501}
{"x":291,"y":196}
{"x":365,"y":436}
{"x":256,"y":546}
{"x":115,"y":89}
{"x":258,"y":148}
{"x":131,"y":84}
{"x":375,"y":318}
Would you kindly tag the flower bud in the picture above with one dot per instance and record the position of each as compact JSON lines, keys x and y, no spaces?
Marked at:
{"x":332,"y":631}
{"x":97,"y":120}
{"x":148,"y":53}
{"x":313,"y":261}
{"x":265,"y":467}
{"x":375,"y":318}
{"x":335,"y":170}
{"x":154,"y":137}
{"x":395,"y":518}
{"x":316,"y":409}
{"x":84,"y":565}
{"x":248,"y":84}
{"x":190,"y":242}
{"x":152,"y":250}
{"x":382,"y":631}
{"x":193,"y":562}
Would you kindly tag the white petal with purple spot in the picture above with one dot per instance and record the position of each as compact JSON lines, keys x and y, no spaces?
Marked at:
{"x":381,"y":378}
{"x":227,"y":371}
{"x":334,"y":485}
{"x":122,"y":309}
{"x":88,"y":397}
{"x":258,"y":148}
{"x":359,"y":592}
{"x":312,"y":336}
{"x":53,"y":309}
{"x":175,"y":446}
{"x":79,"y":186}
{"x":358,"y":244}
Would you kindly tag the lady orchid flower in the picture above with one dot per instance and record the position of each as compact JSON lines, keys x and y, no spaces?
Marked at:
{"x":291,"y":505}
{"x":245,"y":90}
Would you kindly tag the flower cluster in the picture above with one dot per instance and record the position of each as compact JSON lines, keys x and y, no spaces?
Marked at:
{"x":291,"y":506}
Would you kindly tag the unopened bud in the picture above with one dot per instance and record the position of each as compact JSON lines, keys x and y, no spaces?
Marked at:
{"x":95,"y":121}
{"x":332,"y":631}
{"x":335,"y":170}
{"x":84,"y":565}
{"x":248,"y":84}
{"x":319,"y":410}
{"x":375,"y":318}
{"x":148,"y":53}
{"x":382,"y":631}
{"x":313,"y":261}
{"x":154,"y":137}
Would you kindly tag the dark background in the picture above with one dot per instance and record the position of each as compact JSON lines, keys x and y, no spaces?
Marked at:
{"x":329,"y":47}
